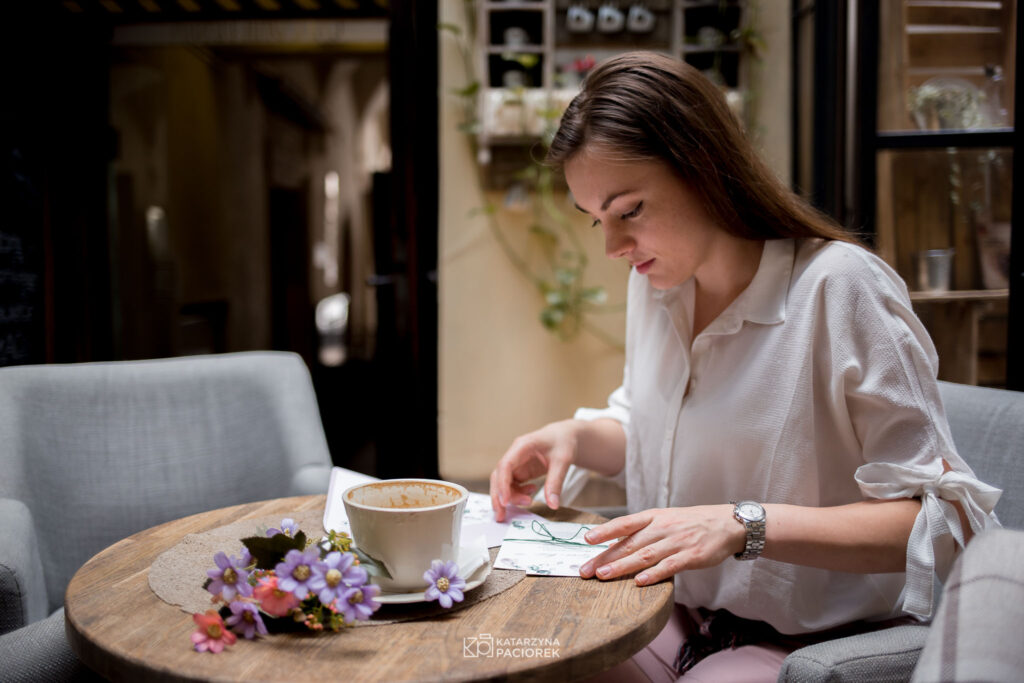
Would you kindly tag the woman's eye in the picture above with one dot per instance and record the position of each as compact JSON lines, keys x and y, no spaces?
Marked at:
{"x":634,"y":213}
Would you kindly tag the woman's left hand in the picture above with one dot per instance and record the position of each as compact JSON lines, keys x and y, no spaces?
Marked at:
{"x":659,"y":543}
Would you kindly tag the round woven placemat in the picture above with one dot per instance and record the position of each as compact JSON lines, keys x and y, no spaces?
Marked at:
{"x":178,"y":574}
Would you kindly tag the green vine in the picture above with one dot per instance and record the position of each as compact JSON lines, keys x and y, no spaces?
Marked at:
{"x":560,"y":279}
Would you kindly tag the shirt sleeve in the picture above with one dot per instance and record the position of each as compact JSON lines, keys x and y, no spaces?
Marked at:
{"x":618,"y":410}
{"x":887,"y":368}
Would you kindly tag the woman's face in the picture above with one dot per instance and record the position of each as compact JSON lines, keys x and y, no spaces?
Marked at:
{"x":649,"y":215}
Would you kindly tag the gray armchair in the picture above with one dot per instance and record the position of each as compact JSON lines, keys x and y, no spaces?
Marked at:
{"x":92,"y":453}
{"x":988,"y":428}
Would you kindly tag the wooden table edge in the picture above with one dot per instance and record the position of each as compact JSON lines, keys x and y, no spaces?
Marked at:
{"x":574,"y":668}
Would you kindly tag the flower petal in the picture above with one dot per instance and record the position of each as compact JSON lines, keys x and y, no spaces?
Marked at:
{"x":445,"y":600}
{"x":221,"y":560}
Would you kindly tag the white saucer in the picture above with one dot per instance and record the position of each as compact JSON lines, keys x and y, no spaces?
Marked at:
{"x":467,"y":557}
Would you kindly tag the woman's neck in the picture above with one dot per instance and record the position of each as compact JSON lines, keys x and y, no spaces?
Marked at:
{"x":723,"y":277}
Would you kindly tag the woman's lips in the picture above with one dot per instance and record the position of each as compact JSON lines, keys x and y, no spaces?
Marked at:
{"x":642,"y":268}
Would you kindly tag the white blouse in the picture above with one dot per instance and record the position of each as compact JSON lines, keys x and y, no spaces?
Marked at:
{"x":815,"y":387}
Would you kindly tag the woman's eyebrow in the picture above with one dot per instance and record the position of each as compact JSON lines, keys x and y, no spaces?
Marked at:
{"x":607,"y":202}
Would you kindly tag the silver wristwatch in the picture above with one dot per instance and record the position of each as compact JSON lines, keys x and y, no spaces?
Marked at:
{"x":751,"y":516}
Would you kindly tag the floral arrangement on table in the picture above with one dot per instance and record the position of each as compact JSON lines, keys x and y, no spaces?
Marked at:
{"x":284,"y":579}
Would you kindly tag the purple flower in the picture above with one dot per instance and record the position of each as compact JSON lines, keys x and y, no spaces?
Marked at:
{"x":294,"y":573}
{"x":445,"y":583}
{"x":288,"y":528}
{"x":230,"y":578}
{"x":357,"y":602}
{"x":336,"y":573}
{"x":245,"y":619}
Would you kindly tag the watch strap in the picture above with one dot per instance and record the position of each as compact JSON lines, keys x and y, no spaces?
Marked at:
{"x":755,"y":536}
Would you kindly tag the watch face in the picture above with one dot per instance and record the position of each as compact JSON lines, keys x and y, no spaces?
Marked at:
{"x":750,"y":511}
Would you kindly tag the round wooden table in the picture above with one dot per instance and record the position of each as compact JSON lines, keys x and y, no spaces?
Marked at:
{"x":121,"y":629}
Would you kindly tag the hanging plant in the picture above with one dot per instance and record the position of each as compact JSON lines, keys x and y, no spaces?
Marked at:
{"x":560,"y":279}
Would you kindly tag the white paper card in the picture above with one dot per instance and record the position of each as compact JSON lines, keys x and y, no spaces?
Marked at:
{"x":546,"y":548}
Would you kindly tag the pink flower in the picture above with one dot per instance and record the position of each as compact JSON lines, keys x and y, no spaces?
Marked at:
{"x":273,"y":600}
{"x":211,"y":634}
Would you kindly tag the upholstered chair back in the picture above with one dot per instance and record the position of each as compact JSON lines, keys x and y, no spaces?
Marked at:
{"x":100,"y":451}
{"x":988,"y":429}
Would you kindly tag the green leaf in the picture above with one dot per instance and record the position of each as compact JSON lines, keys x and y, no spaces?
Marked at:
{"x":555,"y":298}
{"x":596,"y":295}
{"x":524,"y":59}
{"x":373,"y":567}
{"x":544,"y":232}
{"x":468,"y":90}
{"x":565,"y":276}
{"x":551,"y":317}
{"x":269,"y":551}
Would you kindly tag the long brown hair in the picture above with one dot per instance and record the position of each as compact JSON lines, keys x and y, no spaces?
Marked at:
{"x":642,"y":106}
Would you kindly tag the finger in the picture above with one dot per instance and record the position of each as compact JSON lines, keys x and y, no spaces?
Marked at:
{"x":522,"y":494}
{"x":496,"y":506}
{"x":667,"y":568}
{"x":513,"y":468}
{"x":619,"y":527}
{"x":623,"y":548}
{"x":641,"y":559}
{"x":554,"y":481}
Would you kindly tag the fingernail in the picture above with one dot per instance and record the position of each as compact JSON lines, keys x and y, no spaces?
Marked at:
{"x":553,"y":501}
{"x":588,"y":537}
{"x":641,"y":579}
{"x":603,"y":571}
{"x":587,"y":568}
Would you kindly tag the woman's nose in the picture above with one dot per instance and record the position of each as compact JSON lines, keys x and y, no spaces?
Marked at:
{"x":617,"y":245}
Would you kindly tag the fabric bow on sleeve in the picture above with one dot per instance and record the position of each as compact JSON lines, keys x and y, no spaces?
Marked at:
{"x":937,"y":521}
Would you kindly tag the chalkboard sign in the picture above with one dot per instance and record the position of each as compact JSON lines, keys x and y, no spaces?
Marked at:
{"x":22,"y":318}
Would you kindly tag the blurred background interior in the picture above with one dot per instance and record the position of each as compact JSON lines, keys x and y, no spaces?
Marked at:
{"x":357,"y":181}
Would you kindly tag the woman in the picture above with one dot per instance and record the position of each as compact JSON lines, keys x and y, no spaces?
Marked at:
{"x":770,"y":361}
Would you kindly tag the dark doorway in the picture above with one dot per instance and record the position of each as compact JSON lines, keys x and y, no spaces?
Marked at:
{"x":117,"y":262}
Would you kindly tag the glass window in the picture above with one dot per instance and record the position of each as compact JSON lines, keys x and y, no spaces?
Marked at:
{"x":944,"y":199}
{"x":946,"y":65}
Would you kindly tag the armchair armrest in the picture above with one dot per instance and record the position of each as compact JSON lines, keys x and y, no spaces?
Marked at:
{"x":886,"y":655}
{"x":972,"y":636}
{"x":310,"y":479}
{"x":40,"y":652}
{"x":22,"y":586}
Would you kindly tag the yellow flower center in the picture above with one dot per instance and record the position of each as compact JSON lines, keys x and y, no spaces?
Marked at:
{"x":333,"y":578}
{"x":442,"y":584}
{"x":248,"y":617}
{"x":230,"y":575}
{"x":278,"y":593}
{"x":356,"y":598}
{"x":214,"y":631}
{"x":301,"y":572}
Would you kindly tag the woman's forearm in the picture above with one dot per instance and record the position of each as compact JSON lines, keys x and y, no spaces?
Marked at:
{"x":601,"y":446}
{"x":865,"y":537}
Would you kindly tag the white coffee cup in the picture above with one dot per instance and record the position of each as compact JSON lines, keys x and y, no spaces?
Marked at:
{"x":640,"y":19}
{"x":610,"y":19}
{"x":405,"y":524}
{"x":579,"y":19}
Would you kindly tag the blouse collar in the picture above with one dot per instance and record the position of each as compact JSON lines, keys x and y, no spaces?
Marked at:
{"x":764,"y":299}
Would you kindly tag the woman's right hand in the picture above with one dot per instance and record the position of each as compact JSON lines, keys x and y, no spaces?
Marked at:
{"x":549,"y":450}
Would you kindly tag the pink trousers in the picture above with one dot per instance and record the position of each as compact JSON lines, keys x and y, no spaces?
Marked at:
{"x":746,"y":664}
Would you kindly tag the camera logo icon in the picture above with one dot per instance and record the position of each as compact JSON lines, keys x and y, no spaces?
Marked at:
{"x":478,"y":646}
